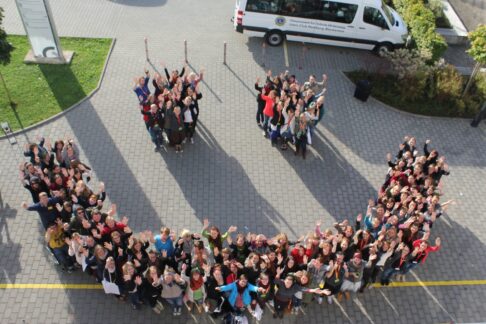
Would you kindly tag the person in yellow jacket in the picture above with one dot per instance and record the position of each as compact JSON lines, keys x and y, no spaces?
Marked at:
{"x":56,"y":241}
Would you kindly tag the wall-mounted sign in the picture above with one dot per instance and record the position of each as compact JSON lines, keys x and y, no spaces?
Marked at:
{"x":39,"y":25}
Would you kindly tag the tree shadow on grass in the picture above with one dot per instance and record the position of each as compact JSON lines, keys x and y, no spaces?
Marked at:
{"x":63,"y":84}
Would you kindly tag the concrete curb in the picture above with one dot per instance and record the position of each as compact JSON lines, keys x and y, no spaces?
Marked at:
{"x":62,"y":113}
{"x":406,"y":113}
{"x":458,"y":33}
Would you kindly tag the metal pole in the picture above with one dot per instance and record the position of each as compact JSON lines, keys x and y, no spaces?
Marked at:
{"x":479,"y":116}
{"x":302,"y":58}
{"x":471,"y":78}
{"x":224,"y":54}
{"x":185,"y":50}
{"x":146,"y":49}
{"x":10,"y":101}
{"x":264,"y":50}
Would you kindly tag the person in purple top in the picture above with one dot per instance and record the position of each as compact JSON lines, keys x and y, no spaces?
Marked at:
{"x":141,"y":88}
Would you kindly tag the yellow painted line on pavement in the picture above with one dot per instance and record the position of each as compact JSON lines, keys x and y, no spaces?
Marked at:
{"x":376,"y":285}
{"x":433,"y":283}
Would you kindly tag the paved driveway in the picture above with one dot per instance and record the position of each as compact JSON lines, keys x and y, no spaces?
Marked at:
{"x":231,"y":174}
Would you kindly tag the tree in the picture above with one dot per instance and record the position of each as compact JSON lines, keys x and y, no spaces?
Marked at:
{"x":5,"y":49}
{"x":477,"y":51}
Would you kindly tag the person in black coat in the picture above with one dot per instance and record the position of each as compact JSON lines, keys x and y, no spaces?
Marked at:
{"x":152,"y":289}
{"x":176,"y":124}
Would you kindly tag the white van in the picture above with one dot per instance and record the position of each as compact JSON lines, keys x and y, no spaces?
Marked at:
{"x":366,"y":24}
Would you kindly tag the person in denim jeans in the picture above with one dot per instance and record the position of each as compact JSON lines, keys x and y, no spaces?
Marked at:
{"x":173,"y":287}
{"x":397,"y":263}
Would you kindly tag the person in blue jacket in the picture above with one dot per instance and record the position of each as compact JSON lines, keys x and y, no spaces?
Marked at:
{"x":239,"y":293}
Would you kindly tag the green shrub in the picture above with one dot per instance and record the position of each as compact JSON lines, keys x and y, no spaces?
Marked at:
{"x":441,"y":96}
{"x":478,"y":44}
{"x":448,"y":84}
{"x":436,"y":6}
{"x":480,"y":85}
{"x":412,"y":72}
{"x":421,"y":23}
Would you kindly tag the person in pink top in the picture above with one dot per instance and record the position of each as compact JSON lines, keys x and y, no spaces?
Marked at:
{"x":270,"y":101}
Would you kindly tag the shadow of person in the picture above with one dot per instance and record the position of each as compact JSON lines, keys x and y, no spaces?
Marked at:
{"x":6,"y":212}
{"x":97,"y":143}
{"x":217,"y":187}
{"x":334,"y":182}
{"x":10,"y":251}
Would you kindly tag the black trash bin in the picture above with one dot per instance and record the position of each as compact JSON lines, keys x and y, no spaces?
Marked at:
{"x":363,"y":90}
{"x":480,"y":116}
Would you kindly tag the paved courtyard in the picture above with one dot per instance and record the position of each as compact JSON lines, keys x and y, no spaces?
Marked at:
{"x":231,"y":175}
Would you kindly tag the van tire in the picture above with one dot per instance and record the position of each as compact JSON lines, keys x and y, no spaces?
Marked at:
{"x":382,"y":48}
{"x":274,"y":37}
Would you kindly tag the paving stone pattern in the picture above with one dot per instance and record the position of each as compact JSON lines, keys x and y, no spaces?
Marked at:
{"x":231,"y":174}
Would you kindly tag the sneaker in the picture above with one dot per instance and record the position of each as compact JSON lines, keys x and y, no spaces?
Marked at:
{"x":192,"y":140}
{"x":179,"y":311}
{"x":319,"y":300}
{"x":329,"y":300}
{"x":156,"y":309}
{"x":159,"y":305}
{"x":70,"y":269}
{"x":206,"y":308}
{"x":174,"y":312}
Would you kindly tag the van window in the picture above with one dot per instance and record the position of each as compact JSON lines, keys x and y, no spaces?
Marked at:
{"x":263,"y":6}
{"x":322,"y":10}
{"x":339,"y":12}
{"x":374,"y":17}
{"x":388,"y":13}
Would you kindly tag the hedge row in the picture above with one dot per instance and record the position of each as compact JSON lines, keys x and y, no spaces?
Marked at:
{"x":421,"y":22}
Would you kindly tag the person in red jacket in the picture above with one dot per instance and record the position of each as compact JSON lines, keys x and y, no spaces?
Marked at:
{"x":270,"y":101}
{"x":421,"y":249}
{"x":111,"y":225}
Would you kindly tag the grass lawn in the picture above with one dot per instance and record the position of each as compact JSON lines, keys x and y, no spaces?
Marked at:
{"x":41,"y":91}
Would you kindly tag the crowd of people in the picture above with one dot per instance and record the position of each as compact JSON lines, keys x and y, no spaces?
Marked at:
{"x":288,"y":111}
{"x":227,"y":273}
{"x":171,"y":112}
